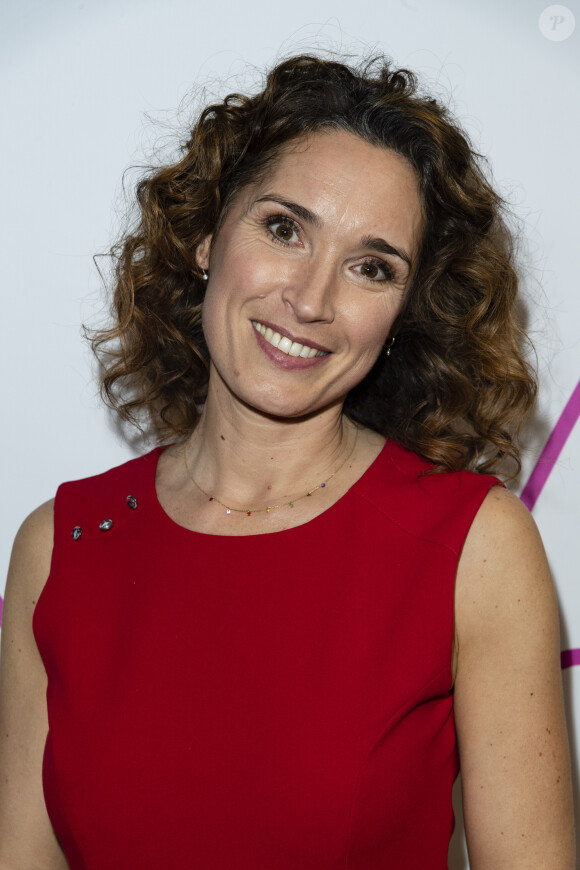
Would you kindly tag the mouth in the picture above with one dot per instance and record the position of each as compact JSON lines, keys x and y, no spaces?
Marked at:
{"x":285,"y":344}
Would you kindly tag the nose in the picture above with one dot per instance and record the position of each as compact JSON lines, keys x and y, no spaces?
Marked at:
{"x":310,"y":293}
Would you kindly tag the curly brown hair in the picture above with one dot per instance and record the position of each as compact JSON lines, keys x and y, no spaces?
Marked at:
{"x":458,"y":387}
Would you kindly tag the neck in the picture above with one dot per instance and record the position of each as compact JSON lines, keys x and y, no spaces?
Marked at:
{"x":245,"y":458}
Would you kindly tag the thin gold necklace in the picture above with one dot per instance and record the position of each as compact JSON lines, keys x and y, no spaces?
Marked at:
{"x":249,"y":511}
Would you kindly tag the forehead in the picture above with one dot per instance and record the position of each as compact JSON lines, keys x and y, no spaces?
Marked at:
{"x":339,"y":147}
{"x":345,"y":179}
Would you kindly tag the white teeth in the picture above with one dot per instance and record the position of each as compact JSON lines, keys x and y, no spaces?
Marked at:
{"x":285,"y":344}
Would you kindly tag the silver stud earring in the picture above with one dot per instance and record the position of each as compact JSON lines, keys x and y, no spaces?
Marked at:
{"x":389,"y":346}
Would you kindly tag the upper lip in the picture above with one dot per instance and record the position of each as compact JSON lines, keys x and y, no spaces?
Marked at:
{"x":284,"y":331}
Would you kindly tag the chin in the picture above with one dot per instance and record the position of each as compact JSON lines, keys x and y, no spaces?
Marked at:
{"x":283,"y":408}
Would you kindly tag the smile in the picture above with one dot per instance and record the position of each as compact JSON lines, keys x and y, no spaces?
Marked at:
{"x":285,"y":344}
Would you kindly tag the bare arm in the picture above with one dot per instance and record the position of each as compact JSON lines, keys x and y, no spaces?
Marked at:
{"x":27,"y":841}
{"x":508,"y":697}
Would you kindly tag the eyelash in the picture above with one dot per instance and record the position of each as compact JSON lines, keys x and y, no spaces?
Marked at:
{"x":271,"y":221}
{"x":387,"y":271}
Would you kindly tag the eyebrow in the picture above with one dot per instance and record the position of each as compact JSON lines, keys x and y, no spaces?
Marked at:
{"x":375,"y":243}
{"x":303,"y":213}
{"x":384,"y":247}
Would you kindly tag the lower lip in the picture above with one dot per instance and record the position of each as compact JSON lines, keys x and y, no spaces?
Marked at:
{"x":284,"y":360}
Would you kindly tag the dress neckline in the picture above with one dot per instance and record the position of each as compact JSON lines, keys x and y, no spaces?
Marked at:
{"x":339,"y":505}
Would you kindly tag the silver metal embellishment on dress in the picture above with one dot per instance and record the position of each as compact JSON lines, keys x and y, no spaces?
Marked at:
{"x":76,"y":533}
{"x":132,"y":502}
{"x":106,"y":525}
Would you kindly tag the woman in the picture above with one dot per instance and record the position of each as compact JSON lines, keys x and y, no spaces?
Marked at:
{"x":267,"y":643}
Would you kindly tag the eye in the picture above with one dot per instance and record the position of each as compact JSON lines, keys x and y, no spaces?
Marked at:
{"x":283,"y":229}
{"x":375,"y":270}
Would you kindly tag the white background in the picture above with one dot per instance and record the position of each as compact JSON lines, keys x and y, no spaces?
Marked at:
{"x":91,"y":87}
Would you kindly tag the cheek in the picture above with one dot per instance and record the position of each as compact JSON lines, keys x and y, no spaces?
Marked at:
{"x":259,"y":270}
{"x":213,"y":318}
{"x":208,"y":307}
{"x":249,"y":271}
{"x":372,"y":327}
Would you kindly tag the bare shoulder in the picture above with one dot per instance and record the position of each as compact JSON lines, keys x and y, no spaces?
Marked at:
{"x":38,"y":523}
{"x":27,"y":575}
{"x":31,"y":554}
{"x":505,"y":599}
{"x":503,"y":573}
{"x":502,"y":517}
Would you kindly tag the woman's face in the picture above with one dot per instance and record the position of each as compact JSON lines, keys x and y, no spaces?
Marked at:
{"x":308,"y":273}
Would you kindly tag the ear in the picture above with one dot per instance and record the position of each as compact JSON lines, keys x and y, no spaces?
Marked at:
{"x":202,"y":253}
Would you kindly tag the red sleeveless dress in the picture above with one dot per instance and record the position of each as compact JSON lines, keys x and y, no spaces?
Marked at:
{"x":270,"y":702}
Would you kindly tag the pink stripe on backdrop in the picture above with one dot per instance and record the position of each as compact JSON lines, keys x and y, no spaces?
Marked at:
{"x":552,"y":450}
{"x":569,"y":657}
